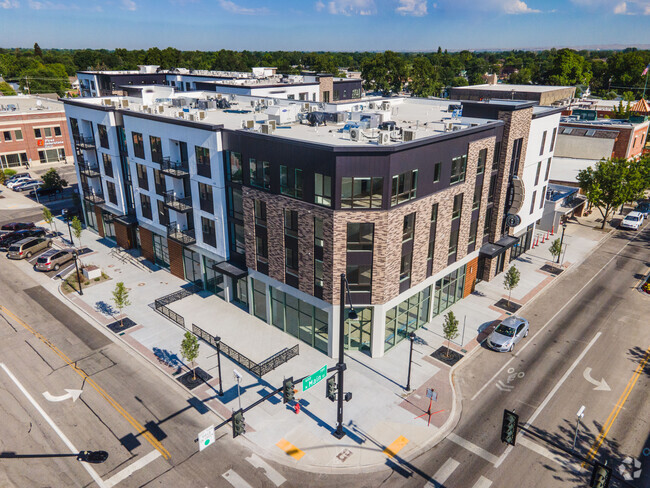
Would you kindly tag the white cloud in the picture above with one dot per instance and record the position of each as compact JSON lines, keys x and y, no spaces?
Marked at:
{"x":417,"y":8}
{"x":627,"y":7}
{"x":129,"y":5}
{"x":9,"y":4}
{"x":515,"y":7}
{"x":319,"y":6}
{"x":47,"y":5}
{"x":233,"y":8}
{"x":621,"y":8}
{"x":509,"y":7}
{"x":350,"y":7}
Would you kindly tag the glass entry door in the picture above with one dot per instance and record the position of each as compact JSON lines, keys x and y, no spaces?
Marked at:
{"x":358,"y":332}
{"x":240,"y":293}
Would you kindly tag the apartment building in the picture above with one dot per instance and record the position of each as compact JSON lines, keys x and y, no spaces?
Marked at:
{"x":268,"y":202}
{"x":33,"y":131}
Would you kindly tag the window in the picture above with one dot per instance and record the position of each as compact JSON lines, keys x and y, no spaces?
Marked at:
{"x":318,"y":273}
{"x":453,"y":242}
{"x":318,"y":232}
{"x":57,"y":131}
{"x":553,"y":139}
{"x":497,"y":155}
{"x":163,"y":213}
{"x":138,"y":145}
{"x":260,"y":213}
{"x":103,"y":135}
{"x":482,"y":158}
{"x":235,"y":169}
{"x":50,"y":156}
{"x":532,"y":202}
{"x":539,"y":170}
{"x":405,"y":267}
{"x":110,"y":189}
{"x":404,"y":187}
{"x":408,"y":227}
{"x":143,"y":180}
{"x":7,"y":135}
{"x":108,"y":165}
{"x":323,"y":189}
{"x":548,"y":169}
{"x":159,"y":182}
{"x":202,"y":161}
{"x":488,"y":220}
{"x":360,"y":236}
{"x":156,"y":149}
{"x":407,"y":317}
{"x":458,"y":168}
{"x":205,"y":198}
{"x":260,"y":174}
{"x":261,"y":249}
{"x":458,"y":206}
{"x":291,"y":181}
{"x":541,"y":149}
{"x":19,"y":134}
{"x":259,"y":299}
{"x":437,"y":167}
{"x":236,"y":204}
{"x":209,"y":234}
{"x":290,"y":223}
{"x":359,"y":277}
{"x":543,"y":196}
{"x":237,"y":240}
{"x":13,"y":160}
{"x":47,"y":131}
{"x":361,"y":192}
{"x":37,"y":133}
{"x":291,"y":261}
{"x":145,"y":204}
{"x":472,"y":232}
{"x":492,"y":188}
{"x":74,"y":125}
{"x":516,"y":155}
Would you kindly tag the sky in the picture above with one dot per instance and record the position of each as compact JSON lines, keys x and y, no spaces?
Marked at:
{"x":324,"y":25}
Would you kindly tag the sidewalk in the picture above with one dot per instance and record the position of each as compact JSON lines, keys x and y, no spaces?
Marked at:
{"x":379,"y":420}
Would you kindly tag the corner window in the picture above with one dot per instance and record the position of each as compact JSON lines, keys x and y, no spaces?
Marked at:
{"x":260,"y":174}
{"x":361,"y":192}
{"x":322,"y":190}
{"x":202,"y":161}
{"x":138,"y":145}
{"x":360,"y":236}
{"x":458,"y":169}
{"x":235,"y":169}
{"x":437,"y":168}
{"x":404,"y":187}
{"x":291,"y":181}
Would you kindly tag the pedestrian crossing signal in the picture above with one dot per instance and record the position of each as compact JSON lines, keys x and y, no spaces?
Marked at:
{"x":509,"y":427}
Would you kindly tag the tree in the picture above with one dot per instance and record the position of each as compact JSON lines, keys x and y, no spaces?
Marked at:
{"x":190,"y":349}
{"x":620,"y":112}
{"x":121,"y":299}
{"x":511,"y":280}
{"x":52,"y":179}
{"x":424,"y":78}
{"x":77,"y":227}
{"x":48,"y":218}
{"x":450,"y":329}
{"x":6,"y":90}
{"x":555,"y":249}
{"x":37,"y":50}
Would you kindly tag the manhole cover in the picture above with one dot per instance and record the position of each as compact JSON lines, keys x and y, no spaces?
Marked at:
{"x":141,"y":284}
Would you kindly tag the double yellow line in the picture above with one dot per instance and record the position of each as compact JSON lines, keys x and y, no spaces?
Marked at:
{"x":136,"y":425}
{"x":617,"y":408}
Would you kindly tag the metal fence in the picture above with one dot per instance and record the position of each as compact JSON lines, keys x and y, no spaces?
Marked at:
{"x":160,"y":304}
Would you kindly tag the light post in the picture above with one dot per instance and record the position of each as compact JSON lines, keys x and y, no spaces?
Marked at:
{"x":561,"y":240}
{"x":352,"y":315}
{"x":408,"y":381}
{"x":67,"y":219}
{"x":93,"y":457}
{"x":238,"y":378}
{"x":76,"y":267}
{"x":580,"y":414}
{"x":218,"y":341}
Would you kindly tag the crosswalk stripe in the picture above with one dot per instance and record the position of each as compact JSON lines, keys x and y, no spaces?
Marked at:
{"x":482,"y":482}
{"x":270,"y":473}
{"x":235,"y":480}
{"x":443,"y":473}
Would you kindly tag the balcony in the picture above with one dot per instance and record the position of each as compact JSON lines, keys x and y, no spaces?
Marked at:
{"x":184,"y":237}
{"x":90,"y":170}
{"x":180,"y":204}
{"x":84,"y":142}
{"x":93,"y":196}
{"x":175,"y":169}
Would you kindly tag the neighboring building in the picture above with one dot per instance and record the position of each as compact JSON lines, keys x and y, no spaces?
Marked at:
{"x":540,"y":94}
{"x":266,"y":211}
{"x":33,"y":131}
{"x":562,"y":202}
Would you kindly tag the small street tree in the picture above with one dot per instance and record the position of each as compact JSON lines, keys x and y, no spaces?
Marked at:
{"x":555,"y":249}
{"x":77,"y":227}
{"x":49,"y":218}
{"x":190,"y":350}
{"x":121,"y":298}
{"x":450,"y":329}
{"x":52,"y":180}
{"x":511,"y":280}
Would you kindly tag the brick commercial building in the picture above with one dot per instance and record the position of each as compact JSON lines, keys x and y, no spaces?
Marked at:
{"x":33,"y":131}
{"x":266,"y":203}
{"x":540,"y":94}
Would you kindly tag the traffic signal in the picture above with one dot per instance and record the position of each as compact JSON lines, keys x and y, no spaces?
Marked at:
{"x":287,"y":390}
{"x":238,"y":425}
{"x":509,"y":427}
{"x":331,"y":388}
{"x":600,"y":476}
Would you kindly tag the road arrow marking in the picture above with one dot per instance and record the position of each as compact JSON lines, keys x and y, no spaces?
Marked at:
{"x":600,"y":385}
{"x":74,"y":394}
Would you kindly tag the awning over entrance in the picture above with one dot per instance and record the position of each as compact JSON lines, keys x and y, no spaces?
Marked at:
{"x":492,"y":250}
{"x":507,"y":241}
{"x":233,"y":270}
{"x":127,"y":219}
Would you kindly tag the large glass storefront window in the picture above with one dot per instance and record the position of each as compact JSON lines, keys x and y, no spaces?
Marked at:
{"x":192,"y":266}
{"x":300,"y":319}
{"x":259,"y":299}
{"x":449,"y":290}
{"x":358,"y":332}
{"x":407,"y":317}
{"x":91,"y":217}
{"x":160,"y":251}
{"x":214,"y":281}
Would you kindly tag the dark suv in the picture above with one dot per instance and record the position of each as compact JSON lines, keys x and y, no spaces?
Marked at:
{"x":8,"y":239}
{"x":14,"y":226}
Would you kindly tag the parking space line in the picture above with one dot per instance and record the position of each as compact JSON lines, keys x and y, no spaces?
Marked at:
{"x":132,"y":468}
{"x":56,"y":429}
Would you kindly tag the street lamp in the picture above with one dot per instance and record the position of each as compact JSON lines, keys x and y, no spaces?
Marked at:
{"x":93,"y":457}
{"x":67,"y":219}
{"x":408,"y":381}
{"x":218,"y":341}
{"x":561,"y":240}
{"x":352,"y":315}
{"x":76,"y":267}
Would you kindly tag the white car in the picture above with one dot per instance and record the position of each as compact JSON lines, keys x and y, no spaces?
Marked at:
{"x":28,"y":185}
{"x":17,"y":182}
{"x":633,"y":220}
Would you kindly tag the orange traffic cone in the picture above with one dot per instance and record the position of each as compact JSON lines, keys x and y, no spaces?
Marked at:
{"x":552,"y":230}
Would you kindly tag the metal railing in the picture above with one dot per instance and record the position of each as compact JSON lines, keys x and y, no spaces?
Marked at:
{"x":183,"y":236}
{"x":93,"y":196}
{"x":92,"y":171}
{"x":278,"y":359}
{"x":174,"y":168}
{"x":160,"y":304}
{"x":84,"y":142}
{"x":180,"y":204}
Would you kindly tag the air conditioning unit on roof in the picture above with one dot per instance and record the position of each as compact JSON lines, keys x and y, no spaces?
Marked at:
{"x":272,"y":125}
{"x":355,"y":134}
{"x":371,"y":105}
{"x":250,"y":124}
{"x":384,"y":137}
{"x":408,"y":135}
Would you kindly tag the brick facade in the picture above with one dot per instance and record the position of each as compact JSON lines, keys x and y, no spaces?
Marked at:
{"x":176,"y":259}
{"x":326,"y":86}
{"x":146,"y":244}
{"x":100,"y":221}
{"x":123,"y":235}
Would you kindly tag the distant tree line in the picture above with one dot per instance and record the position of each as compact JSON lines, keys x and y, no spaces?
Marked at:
{"x":607,"y":73}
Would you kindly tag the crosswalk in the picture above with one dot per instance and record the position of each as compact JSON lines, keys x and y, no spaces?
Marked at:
{"x":236,"y":481}
{"x":446,"y":470}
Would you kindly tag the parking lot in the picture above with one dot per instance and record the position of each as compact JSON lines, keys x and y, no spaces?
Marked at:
{"x":54,"y":275}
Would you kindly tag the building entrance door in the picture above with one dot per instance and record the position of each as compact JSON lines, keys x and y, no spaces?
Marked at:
{"x":240,"y":293}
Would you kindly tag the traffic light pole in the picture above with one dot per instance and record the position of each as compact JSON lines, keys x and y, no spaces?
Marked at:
{"x":338,"y":433}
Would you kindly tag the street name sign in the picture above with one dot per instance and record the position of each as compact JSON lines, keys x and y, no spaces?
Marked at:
{"x":314,"y":378}
{"x":206,"y":437}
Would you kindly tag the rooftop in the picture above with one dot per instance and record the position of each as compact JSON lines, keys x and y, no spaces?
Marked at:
{"x":19,"y":104}
{"x":504,"y":87}
{"x":609,"y":123}
{"x":567,"y":169}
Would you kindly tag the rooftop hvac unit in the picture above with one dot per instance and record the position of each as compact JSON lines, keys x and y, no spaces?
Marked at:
{"x":145,"y":108}
{"x":250,"y":124}
{"x":305,"y":107}
{"x":371,"y":105}
{"x":107,"y":101}
{"x":384,"y":137}
{"x":181,"y":115}
{"x":265,"y":129}
{"x":272,"y":125}
{"x":191,"y":117}
{"x":385,"y":106}
{"x":355,"y":134}
{"x":161,"y":109}
{"x":201,"y":115}
{"x":125,"y":103}
{"x":408,"y":135}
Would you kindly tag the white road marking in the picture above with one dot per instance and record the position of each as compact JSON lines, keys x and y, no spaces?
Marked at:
{"x":74,"y":394}
{"x":443,"y":473}
{"x":132,"y":468}
{"x":530,"y":341}
{"x":473,"y":448}
{"x":600,"y":385}
{"x":482,"y":482}
{"x":270,"y":473}
{"x":235,"y":480}
{"x":541,"y":450}
{"x":56,"y":429}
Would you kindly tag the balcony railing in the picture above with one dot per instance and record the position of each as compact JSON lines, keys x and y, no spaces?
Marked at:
{"x":84,"y":142}
{"x":93,"y":196}
{"x":90,"y":170}
{"x":180,"y":204}
{"x":174,"y":168}
{"x":182,"y":236}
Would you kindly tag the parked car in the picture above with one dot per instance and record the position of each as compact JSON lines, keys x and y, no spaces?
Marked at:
{"x":508,"y":333}
{"x":18,"y":181}
{"x":42,"y":192}
{"x":633,"y":220}
{"x":644,"y":208}
{"x":14,"y":226}
{"x":17,"y":176}
{"x":26,"y":248}
{"x":8,"y":239}
{"x":53,"y":259}
{"x":29,"y":185}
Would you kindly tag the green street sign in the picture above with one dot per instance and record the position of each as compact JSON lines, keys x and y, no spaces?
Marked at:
{"x":314,"y":378}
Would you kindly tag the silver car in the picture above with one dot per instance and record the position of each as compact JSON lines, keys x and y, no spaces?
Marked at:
{"x":508,"y":333}
{"x":52,"y":259}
